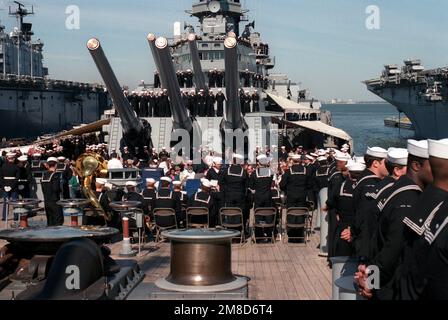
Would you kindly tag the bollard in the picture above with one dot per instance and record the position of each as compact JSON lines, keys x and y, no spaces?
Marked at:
{"x":126,"y":249}
{"x":342,"y":267}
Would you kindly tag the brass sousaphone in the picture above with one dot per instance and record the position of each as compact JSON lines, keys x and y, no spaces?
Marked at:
{"x":89,"y":166}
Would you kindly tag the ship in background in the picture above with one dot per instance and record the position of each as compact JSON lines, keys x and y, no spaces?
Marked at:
{"x":422,"y":95}
{"x":282,"y":100}
{"x":32,"y":104}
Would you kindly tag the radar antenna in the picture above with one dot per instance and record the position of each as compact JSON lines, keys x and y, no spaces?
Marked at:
{"x":20,"y":12}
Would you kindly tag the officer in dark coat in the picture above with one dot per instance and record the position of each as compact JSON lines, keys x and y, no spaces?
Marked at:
{"x":203,"y":199}
{"x":234,"y":184}
{"x":201,"y":102}
{"x":51,"y":188}
{"x":220,"y":98}
{"x":9,"y":178}
{"x":25,"y":178}
{"x":211,"y":104}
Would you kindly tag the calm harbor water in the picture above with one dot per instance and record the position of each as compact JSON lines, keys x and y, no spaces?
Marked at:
{"x":365,"y":124}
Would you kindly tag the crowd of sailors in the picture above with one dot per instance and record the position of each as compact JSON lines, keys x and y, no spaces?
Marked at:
{"x":387,"y":208}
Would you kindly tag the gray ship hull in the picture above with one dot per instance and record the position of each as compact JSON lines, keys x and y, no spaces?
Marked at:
{"x":30,"y":113}
{"x":430,"y":119}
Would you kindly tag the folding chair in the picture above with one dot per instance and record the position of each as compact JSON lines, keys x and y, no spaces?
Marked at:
{"x":164,"y":219}
{"x":232,"y":218}
{"x":264,"y":218}
{"x":294,"y":218}
{"x":200,"y":217}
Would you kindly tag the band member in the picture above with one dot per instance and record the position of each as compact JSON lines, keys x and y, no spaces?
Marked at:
{"x":51,"y":188}
{"x":25,"y":178}
{"x":9,"y":178}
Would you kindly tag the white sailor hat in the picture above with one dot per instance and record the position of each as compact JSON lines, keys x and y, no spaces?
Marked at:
{"x":438,"y":148}
{"x":164,"y":148}
{"x":354,"y":166}
{"x":283,"y":147}
{"x":377,"y":152}
{"x":23,"y":159}
{"x":419,"y":148}
{"x":177,"y":183}
{"x":150,"y":181}
{"x":61,"y":158}
{"x":321,"y":153}
{"x":346,"y":146}
{"x":217,"y":160}
{"x":398,"y":156}
{"x":131,"y":184}
{"x":52,"y":159}
{"x":206,"y":183}
{"x":101,"y":181}
{"x":321,"y":158}
{"x":263,"y":159}
{"x":340,"y":156}
{"x":296,"y":157}
{"x":10,"y":154}
{"x":37,"y":155}
{"x":166,"y":179}
{"x":238,"y":156}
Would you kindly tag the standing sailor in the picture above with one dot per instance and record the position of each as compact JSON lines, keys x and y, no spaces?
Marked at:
{"x":66,"y":174}
{"x":220,"y":98}
{"x":234,"y":183}
{"x":214,"y":175}
{"x":51,"y":188}
{"x":25,"y":178}
{"x":9,"y":176}
{"x":260,"y":183}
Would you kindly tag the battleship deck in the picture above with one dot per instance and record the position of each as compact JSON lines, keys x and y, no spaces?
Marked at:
{"x":277,"y":271}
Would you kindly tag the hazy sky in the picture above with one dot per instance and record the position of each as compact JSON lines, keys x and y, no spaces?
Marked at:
{"x":322,"y":43}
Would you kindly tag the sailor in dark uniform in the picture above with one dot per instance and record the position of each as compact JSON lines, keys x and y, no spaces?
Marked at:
{"x":165,"y":198}
{"x":362,"y":228}
{"x":149,"y":193}
{"x":220,"y":98}
{"x":163,"y":155}
{"x":210,"y":102}
{"x":25,"y":178}
{"x":192,"y":104}
{"x":181,"y":197}
{"x":66,"y":174}
{"x":214,"y":175}
{"x":133,"y":195}
{"x":9,"y":178}
{"x":320,"y":182}
{"x":256,"y":101}
{"x":203,"y":199}
{"x":283,"y":154}
{"x":260,"y":183}
{"x":344,"y":207}
{"x":422,"y":272}
{"x":234,"y":182}
{"x":335,"y":182}
{"x":201,"y":102}
{"x":51,"y":188}
{"x":296,"y":184}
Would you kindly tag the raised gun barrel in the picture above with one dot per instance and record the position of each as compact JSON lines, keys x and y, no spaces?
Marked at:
{"x":234,"y":118}
{"x":199,"y":77}
{"x":169,"y":77}
{"x":136,"y":132}
{"x":152,"y":45}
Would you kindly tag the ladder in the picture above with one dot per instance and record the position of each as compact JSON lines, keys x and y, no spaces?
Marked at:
{"x":162,"y":133}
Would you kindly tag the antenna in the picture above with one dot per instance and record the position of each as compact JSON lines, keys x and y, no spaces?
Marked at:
{"x":20,"y":12}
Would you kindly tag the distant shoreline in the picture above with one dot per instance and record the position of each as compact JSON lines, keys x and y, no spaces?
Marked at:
{"x":355,"y":102}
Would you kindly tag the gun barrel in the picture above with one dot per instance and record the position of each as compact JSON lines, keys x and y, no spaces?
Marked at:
{"x":128,"y":119}
{"x":151,"y":41}
{"x":233,"y":110}
{"x":169,"y":77}
{"x":199,"y":77}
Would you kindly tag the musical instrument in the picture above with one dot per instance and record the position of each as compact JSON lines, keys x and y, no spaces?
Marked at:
{"x":89,"y":166}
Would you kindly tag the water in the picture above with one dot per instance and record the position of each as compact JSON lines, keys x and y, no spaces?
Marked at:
{"x":365,"y":124}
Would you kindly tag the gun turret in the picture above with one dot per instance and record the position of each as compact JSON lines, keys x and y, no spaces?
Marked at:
{"x":136,"y":133}
{"x":199,"y":77}
{"x":233,"y":116}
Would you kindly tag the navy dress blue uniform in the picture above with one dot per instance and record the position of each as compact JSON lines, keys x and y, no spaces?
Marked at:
{"x":9,"y":179}
{"x":214,"y":175}
{"x":411,"y":282}
{"x":51,"y":188}
{"x":334,"y":185}
{"x":261,"y":183}
{"x":202,"y":199}
{"x":165,"y":199}
{"x":234,"y":183}
{"x":388,"y":241}
{"x":24,"y":182}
